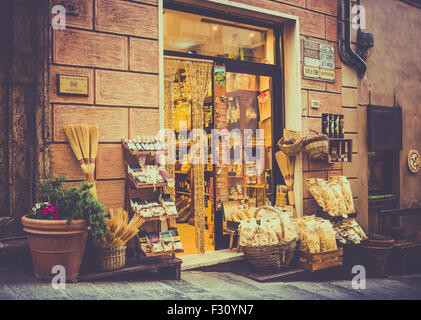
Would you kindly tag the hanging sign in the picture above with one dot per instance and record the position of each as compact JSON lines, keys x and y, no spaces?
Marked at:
{"x":72,"y":85}
{"x":221,"y":123}
{"x":318,"y":61}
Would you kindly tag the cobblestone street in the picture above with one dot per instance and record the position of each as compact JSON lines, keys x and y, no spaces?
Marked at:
{"x":213,"y":285}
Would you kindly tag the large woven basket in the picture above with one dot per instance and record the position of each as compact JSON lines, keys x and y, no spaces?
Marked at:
{"x":316,"y":146}
{"x":112,"y":259}
{"x":271,"y":258}
{"x":291,"y":150}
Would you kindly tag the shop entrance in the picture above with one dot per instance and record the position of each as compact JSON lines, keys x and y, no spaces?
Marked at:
{"x":242,"y":88}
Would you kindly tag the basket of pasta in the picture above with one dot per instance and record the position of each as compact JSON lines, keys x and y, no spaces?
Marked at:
{"x":334,"y":197}
{"x":269,"y":243}
{"x":317,"y":246}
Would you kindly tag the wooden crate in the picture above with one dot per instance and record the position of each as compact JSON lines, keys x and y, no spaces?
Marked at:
{"x":321,"y":260}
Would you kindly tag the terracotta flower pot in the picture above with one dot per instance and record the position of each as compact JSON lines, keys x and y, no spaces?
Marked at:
{"x":55,"y":242}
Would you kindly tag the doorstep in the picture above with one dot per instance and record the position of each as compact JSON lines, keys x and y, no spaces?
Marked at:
{"x":194,"y":261}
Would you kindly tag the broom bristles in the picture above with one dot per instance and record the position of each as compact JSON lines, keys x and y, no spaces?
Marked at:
{"x":82,"y":132}
{"x":93,"y":140}
{"x":71,"y":135}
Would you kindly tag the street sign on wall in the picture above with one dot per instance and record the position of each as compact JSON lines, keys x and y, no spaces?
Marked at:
{"x":318,"y":61}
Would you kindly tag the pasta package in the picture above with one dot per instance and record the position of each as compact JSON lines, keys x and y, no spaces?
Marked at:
{"x":331,"y":202}
{"x":327,"y":237}
{"x":347,"y":193}
{"x":340,"y":202}
{"x":273,"y":229}
{"x":309,"y":240}
{"x":314,"y":186}
{"x":289,"y":228}
{"x":248,"y":231}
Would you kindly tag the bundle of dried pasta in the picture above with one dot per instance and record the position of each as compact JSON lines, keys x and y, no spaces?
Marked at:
{"x":347,"y":193}
{"x":336,"y":189}
{"x":314,"y":186}
{"x":309,"y":241}
{"x":327,"y":236}
{"x":248,"y":231}
{"x":272,"y":227}
{"x":330,"y":200}
{"x":288,"y":226}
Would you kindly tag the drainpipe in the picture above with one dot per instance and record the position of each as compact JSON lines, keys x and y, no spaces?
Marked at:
{"x":346,"y":52}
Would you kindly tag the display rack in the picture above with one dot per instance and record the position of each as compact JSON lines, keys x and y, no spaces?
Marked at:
{"x":145,"y":192}
{"x":340,"y":150}
{"x":165,"y":261}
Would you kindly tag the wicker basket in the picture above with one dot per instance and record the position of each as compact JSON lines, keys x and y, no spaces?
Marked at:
{"x":317,"y":147}
{"x":266,"y":259}
{"x":112,"y":259}
{"x":291,"y":150}
{"x":288,"y":253}
{"x":273,"y":212}
{"x":271,"y":258}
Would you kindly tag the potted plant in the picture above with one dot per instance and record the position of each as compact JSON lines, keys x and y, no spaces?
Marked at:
{"x":58,"y":226}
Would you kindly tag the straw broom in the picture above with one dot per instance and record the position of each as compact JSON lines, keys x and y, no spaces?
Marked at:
{"x":82,"y":132}
{"x":93,"y":150}
{"x":71,"y":135}
{"x":286,"y":165}
{"x":84,"y":142}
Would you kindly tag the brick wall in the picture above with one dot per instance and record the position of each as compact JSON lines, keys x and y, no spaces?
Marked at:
{"x":115,"y":44}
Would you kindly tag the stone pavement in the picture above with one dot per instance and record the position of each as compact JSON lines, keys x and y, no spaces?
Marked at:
{"x":20,"y":284}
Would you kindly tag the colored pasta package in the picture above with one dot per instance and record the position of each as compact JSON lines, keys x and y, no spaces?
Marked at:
{"x":166,"y":240}
{"x":175,"y":239}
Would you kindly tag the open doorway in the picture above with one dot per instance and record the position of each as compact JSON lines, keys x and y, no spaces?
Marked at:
{"x":241,"y":95}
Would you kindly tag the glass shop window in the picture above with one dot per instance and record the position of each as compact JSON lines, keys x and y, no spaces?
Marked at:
{"x":190,"y":33}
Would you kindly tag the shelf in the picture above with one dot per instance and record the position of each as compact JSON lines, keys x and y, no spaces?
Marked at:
{"x":182,"y":192}
{"x":162,"y":253}
{"x":164,"y":262}
{"x":145,"y":186}
{"x":327,"y":216}
{"x":155,"y":218}
{"x":142,"y":153}
{"x":182,"y":172}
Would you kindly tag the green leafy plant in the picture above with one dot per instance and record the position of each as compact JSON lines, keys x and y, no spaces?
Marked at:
{"x":72,"y":203}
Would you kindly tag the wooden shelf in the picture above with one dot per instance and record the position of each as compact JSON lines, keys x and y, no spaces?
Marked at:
{"x":165,"y":263}
{"x":338,"y":142}
{"x":162,"y":253}
{"x":145,"y":186}
{"x":154,"y":218}
{"x":142,"y":153}
{"x":182,"y":172}
{"x":182,"y":192}
{"x":327,"y":216}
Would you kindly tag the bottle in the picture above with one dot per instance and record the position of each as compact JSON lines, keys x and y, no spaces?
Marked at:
{"x":331,"y":125}
{"x":325,"y":123}
{"x":341,"y":126}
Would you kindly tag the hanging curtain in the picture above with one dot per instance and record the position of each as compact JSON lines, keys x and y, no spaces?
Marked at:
{"x":170,"y":68}
{"x":198,"y":76}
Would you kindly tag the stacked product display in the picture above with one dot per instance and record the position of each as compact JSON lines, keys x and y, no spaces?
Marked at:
{"x":164,"y":241}
{"x":146,"y":199}
{"x":333,"y":196}
{"x":348,"y":231}
{"x":152,"y":208}
{"x":145,"y":143}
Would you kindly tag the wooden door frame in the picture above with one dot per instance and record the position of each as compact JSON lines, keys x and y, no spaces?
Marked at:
{"x":27,"y":107}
